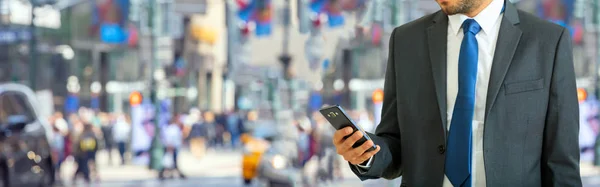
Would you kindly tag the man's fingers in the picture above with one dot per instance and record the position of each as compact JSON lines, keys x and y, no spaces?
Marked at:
{"x":365,"y":156}
{"x":338,"y":137}
{"x":357,"y":152}
{"x":349,"y":142}
{"x":370,"y":154}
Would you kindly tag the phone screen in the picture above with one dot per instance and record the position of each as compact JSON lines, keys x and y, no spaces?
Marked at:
{"x":339,"y":120}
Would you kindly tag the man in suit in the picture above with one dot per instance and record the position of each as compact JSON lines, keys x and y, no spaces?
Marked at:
{"x":477,"y":94}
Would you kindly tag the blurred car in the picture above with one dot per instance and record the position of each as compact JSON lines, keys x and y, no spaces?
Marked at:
{"x":280,"y":166}
{"x":255,"y":144}
{"x":25,"y":154}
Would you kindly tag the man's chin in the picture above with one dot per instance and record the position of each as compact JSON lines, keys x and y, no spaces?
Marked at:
{"x":448,"y":12}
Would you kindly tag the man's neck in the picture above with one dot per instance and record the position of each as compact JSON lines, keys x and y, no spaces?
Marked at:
{"x":477,"y":10}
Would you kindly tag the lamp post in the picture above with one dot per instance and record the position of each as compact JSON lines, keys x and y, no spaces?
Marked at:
{"x":33,"y":48}
{"x":286,"y":58}
{"x":156,"y":149}
{"x":596,"y":22}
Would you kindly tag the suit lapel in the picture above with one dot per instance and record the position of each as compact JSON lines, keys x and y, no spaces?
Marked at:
{"x":508,"y":40}
{"x":437,"y":42}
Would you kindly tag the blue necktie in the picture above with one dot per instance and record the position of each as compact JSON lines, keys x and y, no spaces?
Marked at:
{"x":458,"y":156}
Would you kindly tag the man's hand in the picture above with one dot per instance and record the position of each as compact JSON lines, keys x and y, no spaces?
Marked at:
{"x":356,"y":155}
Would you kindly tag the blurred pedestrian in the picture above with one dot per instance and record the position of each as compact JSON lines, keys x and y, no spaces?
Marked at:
{"x":221,"y":133}
{"x":251,"y":121}
{"x":201,"y":135}
{"x":57,"y":146}
{"x":233,"y":127}
{"x":60,"y":122}
{"x":106,"y":126}
{"x":121,"y":132}
{"x":85,"y":150}
{"x":173,"y":140}
{"x":210,"y":128}
{"x":304,"y":127}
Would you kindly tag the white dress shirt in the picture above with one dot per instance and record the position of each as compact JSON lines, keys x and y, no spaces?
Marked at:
{"x":489,"y":19}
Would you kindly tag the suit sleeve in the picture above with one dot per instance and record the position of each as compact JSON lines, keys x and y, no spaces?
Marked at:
{"x":560,"y":152}
{"x":386,"y":163}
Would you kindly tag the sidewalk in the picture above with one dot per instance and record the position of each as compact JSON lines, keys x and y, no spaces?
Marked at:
{"x":588,"y":170}
{"x":228,"y":163}
{"x":224,"y":168}
{"x":114,"y":172}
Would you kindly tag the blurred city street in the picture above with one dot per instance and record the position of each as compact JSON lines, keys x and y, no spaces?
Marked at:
{"x":222,"y":169}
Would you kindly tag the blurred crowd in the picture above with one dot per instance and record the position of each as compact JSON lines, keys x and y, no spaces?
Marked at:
{"x":79,"y":136}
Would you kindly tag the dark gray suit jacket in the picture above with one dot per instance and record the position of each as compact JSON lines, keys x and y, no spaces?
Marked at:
{"x":531,"y":122}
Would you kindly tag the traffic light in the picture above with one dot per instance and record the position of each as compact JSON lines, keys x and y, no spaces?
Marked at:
{"x":581,"y":94}
{"x":378,"y":96}
{"x":135,"y":98}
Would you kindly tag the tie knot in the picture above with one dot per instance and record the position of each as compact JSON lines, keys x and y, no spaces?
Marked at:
{"x":470,"y":25}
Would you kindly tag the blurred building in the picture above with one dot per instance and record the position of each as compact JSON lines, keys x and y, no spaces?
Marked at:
{"x":16,"y":37}
{"x":103,"y":54}
{"x":261,"y":71}
{"x":210,"y":32}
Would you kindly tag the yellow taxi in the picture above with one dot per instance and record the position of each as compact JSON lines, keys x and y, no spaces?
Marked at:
{"x":254,"y":147}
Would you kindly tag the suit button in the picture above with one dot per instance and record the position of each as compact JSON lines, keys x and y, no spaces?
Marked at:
{"x":441,"y":149}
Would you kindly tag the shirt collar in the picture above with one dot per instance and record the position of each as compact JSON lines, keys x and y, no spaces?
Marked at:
{"x":486,"y":18}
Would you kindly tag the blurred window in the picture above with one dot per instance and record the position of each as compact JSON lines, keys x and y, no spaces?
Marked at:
{"x":15,"y":103}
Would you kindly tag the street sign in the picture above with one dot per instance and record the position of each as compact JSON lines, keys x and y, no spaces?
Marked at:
{"x":113,"y":87}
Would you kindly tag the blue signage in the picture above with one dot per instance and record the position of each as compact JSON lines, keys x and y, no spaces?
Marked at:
{"x":315,"y":101}
{"x":95,"y":103}
{"x":112,"y":33}
{"x":72,"y":104}
{"x":9,"y":36}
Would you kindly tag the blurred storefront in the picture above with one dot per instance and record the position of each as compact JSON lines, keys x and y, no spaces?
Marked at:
{"x":209,"y":31}
{"x":48,"y":65}
{"x":104,"y":42}
{"x":113,"y":39}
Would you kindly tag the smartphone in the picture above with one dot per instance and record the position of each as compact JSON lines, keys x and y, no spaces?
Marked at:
{"x":339,"y":120}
